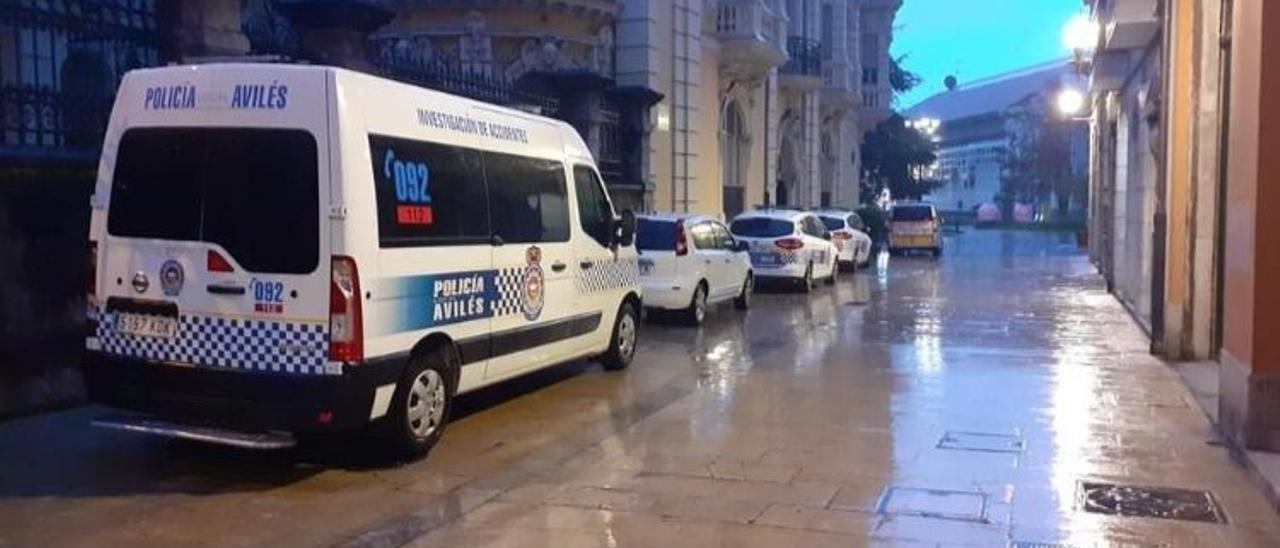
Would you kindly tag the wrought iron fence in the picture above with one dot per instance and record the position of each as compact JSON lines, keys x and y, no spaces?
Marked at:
{"x":60,"y":63}
{"x":397,"y":58}
{"x":805,"y":57}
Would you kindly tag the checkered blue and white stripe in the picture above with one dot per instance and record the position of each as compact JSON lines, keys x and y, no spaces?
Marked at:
{"x":607,"y":275}
{"x":510,"y":290}
{"x":254,"y":345}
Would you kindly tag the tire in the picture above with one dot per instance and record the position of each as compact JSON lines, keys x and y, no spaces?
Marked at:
{"x":806,"y":283}
{"x":835,"y":271}
{"x":423,"y":399}
{"x":696,"y":313}
{"x":743,"y":300}
{"x":937,"y":252}
{"x":622,"y":340}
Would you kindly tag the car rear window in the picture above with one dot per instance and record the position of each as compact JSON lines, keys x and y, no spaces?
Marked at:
{"x":911,"y":213}
{"x":254,"y":191}
{"x":655,"y":235}
{"x":762,"y":227}
{"x":833,"y":223}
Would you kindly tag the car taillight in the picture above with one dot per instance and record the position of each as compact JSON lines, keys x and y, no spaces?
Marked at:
{"x":789,"y":244}
{"x":215,"y":262}
{"x":682,"y":248}
{"x":346,"y":332}
{"x":91,"y":290}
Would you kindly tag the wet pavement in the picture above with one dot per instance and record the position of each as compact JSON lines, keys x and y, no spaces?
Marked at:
{"x":985,"y":399}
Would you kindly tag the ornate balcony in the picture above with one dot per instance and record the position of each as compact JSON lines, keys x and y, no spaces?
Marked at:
{"x":753,"y":36}
{"x":840,"y":89}
{"x":803,"y":70}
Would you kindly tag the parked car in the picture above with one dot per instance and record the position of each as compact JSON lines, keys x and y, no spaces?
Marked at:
{"x":689,"y":262}
{"x":787,"y":244}
{"x":281,"y":249}
{"x":853,"y":245}
{"x":914,"y":227}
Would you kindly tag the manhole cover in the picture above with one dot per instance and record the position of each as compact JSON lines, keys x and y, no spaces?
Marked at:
{"x":1150,"y":502}
{"x":981,"y":441}
{"x":933,"y":503}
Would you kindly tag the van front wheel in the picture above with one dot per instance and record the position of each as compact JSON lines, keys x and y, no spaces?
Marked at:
{"x":420,"y":410}
{"x":622,"y":342}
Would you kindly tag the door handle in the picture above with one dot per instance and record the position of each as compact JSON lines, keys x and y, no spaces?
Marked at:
{"x":558,"y":266}
{"x":225,"y":289}
{"x":586,"y":264}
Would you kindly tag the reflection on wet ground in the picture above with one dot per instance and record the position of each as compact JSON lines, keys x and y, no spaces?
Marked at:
{"x":964,"y":401}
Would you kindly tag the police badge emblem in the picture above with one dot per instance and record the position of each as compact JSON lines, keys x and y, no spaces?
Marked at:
{"x":532,"y":284}
{"x":171,"y":278}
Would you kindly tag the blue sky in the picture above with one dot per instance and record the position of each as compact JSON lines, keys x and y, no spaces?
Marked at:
{"x":974,"y":39}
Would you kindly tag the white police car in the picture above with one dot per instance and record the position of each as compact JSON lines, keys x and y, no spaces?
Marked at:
{"x":848,"y":232}
{"x":787,"y":244}
{"x":283,"y":249}
{"x":688,"y":262}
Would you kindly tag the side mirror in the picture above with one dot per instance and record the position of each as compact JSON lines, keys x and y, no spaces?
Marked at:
{"x":741,"y":245}
{"x":625,"y":234}
{"x":826,"y":235}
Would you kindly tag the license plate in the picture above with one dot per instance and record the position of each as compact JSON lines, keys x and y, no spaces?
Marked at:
{"x":765,"y":259}
{"x":148,"y":326}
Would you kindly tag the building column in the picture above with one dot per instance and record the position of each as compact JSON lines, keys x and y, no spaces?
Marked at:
{"x":209,"y":28}
{"x":1249,"y":402}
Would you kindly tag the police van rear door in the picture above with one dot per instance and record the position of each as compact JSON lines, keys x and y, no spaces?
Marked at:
{"x":216,"y":249}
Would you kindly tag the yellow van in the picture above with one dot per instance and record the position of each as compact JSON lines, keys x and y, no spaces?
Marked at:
{"x":914,"y":226}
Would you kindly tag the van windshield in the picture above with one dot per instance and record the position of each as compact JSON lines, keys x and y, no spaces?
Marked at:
{"x":911,"y":213}
{"x":252,"y":191}
{"x":762,"y":227}
{"x":655,"y":235}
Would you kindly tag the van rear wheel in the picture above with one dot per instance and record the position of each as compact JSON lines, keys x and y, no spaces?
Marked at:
{"x":423,"y":399}
{"x":622,"y":343}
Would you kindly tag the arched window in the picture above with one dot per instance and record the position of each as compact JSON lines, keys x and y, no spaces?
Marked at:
{"x":734,"y":153}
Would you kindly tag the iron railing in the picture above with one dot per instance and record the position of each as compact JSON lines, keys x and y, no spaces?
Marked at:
{"x":395,"y":61}
{"x":60,"y":64}
{"x":805,"y":57}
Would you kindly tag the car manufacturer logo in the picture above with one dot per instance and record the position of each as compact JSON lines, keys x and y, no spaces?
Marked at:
{"x":140,"y":282}
{"x":171,"y":278}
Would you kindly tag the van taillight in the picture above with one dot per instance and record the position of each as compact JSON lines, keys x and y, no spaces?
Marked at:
{"x":346,"y":330}
{"x":790,"y":244}
{"x":215,"y":262}
{"x":682,"y":248}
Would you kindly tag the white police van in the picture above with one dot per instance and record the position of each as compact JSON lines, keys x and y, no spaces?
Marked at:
{"x":282,"y":249}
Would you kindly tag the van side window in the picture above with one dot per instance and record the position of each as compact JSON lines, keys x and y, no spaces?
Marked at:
{"x":428,"y":193}
{"x":527,"y":198}
{"x":594,"y":210}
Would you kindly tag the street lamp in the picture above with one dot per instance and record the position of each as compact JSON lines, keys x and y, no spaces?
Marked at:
{"x":1070,"y":101}
{"x":1080,"y":35}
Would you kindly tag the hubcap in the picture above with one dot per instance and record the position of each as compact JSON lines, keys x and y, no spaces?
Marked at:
{"x":426,"y":403}
{"x":626,"y":336}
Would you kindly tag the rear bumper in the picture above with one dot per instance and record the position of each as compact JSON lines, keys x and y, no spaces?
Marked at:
{"x":915,"y":242}
{"x":792,"y":270}
{"x":237,"y":399}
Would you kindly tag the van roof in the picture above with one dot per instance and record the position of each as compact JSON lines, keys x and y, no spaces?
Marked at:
{"x":143,"y":77}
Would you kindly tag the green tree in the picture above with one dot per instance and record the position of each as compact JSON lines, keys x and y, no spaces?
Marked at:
{"x":1039,"y":165}
{"x":902,"y":80}
{"x":897,"y":157}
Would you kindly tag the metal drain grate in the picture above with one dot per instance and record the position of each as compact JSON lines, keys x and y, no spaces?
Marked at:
{"x":981,"y":441}
{"x":1149,"y":502}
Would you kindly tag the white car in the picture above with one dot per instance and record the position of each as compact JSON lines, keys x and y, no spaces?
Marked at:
{"x":688,"y":262}
{"x":853,"y":245}
{"x":787,"y":244}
